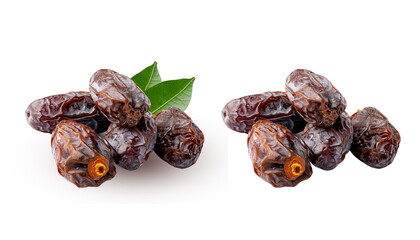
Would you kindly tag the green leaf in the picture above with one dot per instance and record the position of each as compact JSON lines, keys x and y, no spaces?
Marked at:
{"x":148,"y":77}
{"x":172,"y":93}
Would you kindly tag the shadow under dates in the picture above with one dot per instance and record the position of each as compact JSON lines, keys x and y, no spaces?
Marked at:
{"x":154,"y":172}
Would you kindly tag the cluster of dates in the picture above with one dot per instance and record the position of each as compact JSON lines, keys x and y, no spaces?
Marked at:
{"x":112,"y":124}
{"x":307,"y":124}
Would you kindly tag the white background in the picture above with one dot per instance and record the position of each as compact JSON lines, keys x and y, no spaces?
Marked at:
{"x":368,"y":49}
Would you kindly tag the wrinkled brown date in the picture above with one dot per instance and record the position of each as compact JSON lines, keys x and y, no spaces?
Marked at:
{"x":314,"y":97}
{"x":328,"y":146}
{"x":45,"y":113}
{"x":179,"y":140}
{"x":118,"y":97}
{"x":133,"y":144}
{"x":375,"y":139}
{"x":277,"y":154}
{"x":81,"y":155}
{"x":241,"y":113}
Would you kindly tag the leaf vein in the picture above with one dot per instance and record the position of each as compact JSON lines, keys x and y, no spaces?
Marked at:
{"x":151,"y":76}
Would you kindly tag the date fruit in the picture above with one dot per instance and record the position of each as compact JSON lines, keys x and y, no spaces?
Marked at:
{"x":375,"y":139}
{"x":81,"y":155}
{"x":328,"y":146}
{"x":241,"y":113}
{"x":179,"y":140}
{"x":133,"y":144}
{"x":277,"y":154}
{"x":314,"y":97}
{"x":120,"y":100}
{"x":44,"y":114}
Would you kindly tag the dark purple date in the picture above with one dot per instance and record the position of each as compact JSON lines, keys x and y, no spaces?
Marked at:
{"x":241,"y":113}
{"x":118,"y":97}
{"x":375,"y":139}
{"x":44,"y":114}
{"x":328,"y":146}
{"x":314,"y":97}
{"x":179,"y":140}
{"x":133,"y":144}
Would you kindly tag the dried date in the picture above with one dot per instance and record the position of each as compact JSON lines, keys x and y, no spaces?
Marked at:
{"x":277,"y":154}
{"x":118,"y":97}
{"x":314,"y":97}
{"x":328,"y":146}
{"x":375,"y":139}
{"x":81,"y":155}
{"x":133,"y":144}
{"x":241,"y":113}
{"x":179,"y":140}
{"x":44,"y":114}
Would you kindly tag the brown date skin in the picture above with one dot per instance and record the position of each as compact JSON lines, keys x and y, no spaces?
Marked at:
{"x":179,"y":140}
{"x":314,"y":97}
{"x":241,"y":113}
{"x":76,"y":148}
{"x":119,"y":99}
{"x":328,"y":146}
{"x":271,"y":146}
{"x":133,"y":144}
{"x":375,"y":139}
{"x":45,"y":113}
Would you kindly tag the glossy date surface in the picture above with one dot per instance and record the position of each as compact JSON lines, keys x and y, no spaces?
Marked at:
{"x":241,"y":113}
{"x":314,"y":97}
{"x":44,"y":114}
{"x":375,"y":139}
{"x":328,"y":146}
{"x":179,"y":140}
{"x":277,"y":154}
{"x":118,"y":97}
{"x":133,"y":144}
{"x":81,"y":155}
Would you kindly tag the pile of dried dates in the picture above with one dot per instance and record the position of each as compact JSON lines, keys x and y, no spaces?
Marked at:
{"x":111,"y":124}
{"x":307,"y":124}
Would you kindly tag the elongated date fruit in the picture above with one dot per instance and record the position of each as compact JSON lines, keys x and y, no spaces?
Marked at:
{"x":44,"y":114}
{"x":118,"y":97}
{"x":314,"y":97}
{"x":133,"y":144}
{"x":328,"y":146}
{"x":278,"y":156}
{"x":241,"y":113}
{"x":81,"y":155}
{"x":375,"y":139}
{"x":179,"y":140}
